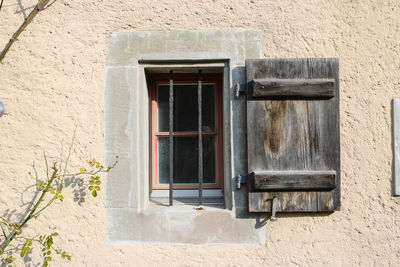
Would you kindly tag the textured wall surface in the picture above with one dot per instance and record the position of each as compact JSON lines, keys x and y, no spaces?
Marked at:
{"x":53,"y":80}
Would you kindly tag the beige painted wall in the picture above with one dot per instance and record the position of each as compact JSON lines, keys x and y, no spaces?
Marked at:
{"x":53,"y":79}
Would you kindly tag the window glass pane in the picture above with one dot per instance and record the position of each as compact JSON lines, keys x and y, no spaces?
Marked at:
{"x":208,"y":108}
{"x":185,"y":107}
{"x":163,"y":108}
{"x":186,"y":160}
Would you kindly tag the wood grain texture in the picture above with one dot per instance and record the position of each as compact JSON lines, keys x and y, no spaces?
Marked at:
{"x":294,"y":180}
{"x":294,"y":134}
{"x":292,"y":88}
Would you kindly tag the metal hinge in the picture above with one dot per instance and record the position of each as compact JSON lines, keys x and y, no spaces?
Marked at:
{"x":2,"y":108}
{"x":240,"y":180}
{"x":239,"y":88}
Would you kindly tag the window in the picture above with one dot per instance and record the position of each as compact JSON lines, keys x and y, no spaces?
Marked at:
{"x":133,"y":215}
{"x":185,"y":131}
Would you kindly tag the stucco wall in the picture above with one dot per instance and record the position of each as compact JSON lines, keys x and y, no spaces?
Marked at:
{"x":53,"y":80}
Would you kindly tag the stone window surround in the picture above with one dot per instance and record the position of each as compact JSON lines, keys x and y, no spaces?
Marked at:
{"x":126,"y":135}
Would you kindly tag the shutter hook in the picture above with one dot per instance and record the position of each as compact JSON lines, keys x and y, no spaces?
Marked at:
{"x":238,"y":181}
{"x":273,"y":209}
{"x":239,"y":89}
{"x":2,"y":109}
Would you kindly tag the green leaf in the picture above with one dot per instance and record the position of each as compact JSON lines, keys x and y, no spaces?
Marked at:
{"x":97,"y":178}
{"x":68,"y":257}
{"x":94,"y":193}
{"x":82,"y":170}
{"x":97,"y":188}
{"x":98,"y":182}
{"x":91,"y":187}
{"x":49,"y":242}
{"x":10,"y":259}
{"x":23,"y":251}
{"x":91,"y":182}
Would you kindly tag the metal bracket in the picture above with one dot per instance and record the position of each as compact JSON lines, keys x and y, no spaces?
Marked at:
{"x":239,"y":89}
{"x":2,"y":109}
{"x":240,"y":180}
{"x":274,"y":205}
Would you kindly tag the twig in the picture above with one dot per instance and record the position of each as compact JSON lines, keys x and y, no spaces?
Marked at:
{"x":47,"y":165}
{"x":67,"y":159}
{"x":2,"y":229}
{"x":49,"y":5}
{"x":39,"y":7}
{"x":1,"y":4}
{"x":36,"y":175}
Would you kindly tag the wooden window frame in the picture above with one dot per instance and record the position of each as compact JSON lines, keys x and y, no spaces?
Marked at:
{"x":155,"y":79}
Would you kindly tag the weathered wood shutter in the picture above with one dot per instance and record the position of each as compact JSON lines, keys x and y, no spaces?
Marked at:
{"x":293,"y":134}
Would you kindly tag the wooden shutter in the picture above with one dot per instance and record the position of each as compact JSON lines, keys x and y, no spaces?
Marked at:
{"x":293,"y":134}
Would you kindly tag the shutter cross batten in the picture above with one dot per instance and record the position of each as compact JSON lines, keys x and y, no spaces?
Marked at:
{"x":296,"y":88}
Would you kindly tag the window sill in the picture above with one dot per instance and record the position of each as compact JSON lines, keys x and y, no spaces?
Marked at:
{"x":207,"y":193}
{"x":192,"y":203}
{"x":181,"y":224}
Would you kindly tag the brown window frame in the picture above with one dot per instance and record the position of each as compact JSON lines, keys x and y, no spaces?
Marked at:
{"x":153,"y":80}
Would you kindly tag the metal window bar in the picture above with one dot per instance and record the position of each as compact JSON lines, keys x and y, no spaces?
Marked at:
{"x":199,"y":110}
{"x":171,"y":139}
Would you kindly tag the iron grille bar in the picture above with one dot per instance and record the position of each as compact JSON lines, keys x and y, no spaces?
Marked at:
{"x":171,"y":139}
{"x":199,"y":110}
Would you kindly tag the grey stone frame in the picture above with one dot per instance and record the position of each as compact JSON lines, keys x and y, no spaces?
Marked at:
{"x":130,"y":217}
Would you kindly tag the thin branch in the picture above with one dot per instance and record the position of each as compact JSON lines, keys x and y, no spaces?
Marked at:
{"x":12,"y":250}
{"x":39,"y":7}
{"x":67,"y":159}
{"x":61,"y":156}
{"x":49,"y":5}
{"x":100,"y":170}
{"x":47,"y":165}
{"x":4,"y":232}
{"x":36,"y":176}
{"x":1,"y":4}
{"x":45,"y":207}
